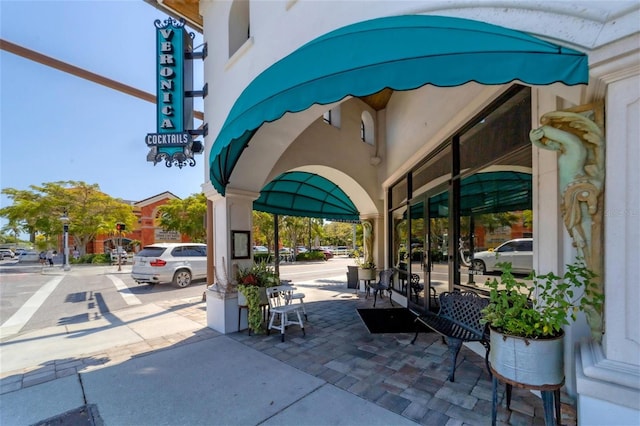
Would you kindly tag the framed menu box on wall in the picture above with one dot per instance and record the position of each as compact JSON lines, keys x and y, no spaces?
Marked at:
{"x":240,"y":244}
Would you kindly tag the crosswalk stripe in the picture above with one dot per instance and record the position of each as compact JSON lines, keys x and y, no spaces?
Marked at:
{"x":124,"y":291}
{"x":23,"y":315}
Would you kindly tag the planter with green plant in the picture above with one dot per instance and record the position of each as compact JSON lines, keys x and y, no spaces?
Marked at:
{"x":526,"y":320}
{"x":252,"y":284}
{"x":366,"y":268}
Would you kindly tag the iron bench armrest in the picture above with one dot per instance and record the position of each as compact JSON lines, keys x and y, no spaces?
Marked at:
{"x":458,"y":321}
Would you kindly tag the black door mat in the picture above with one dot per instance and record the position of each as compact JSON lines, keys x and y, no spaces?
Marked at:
{"x":389,"y":320}
{"x":86,"y":415}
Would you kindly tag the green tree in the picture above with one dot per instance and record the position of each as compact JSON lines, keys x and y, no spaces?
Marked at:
{"x":25,"y":211}
{"x":90,"y":211}
{"x":340,"y":233}
{"x":187,"y":216}
{"x":263,"y":227}
{"x":292,"y":229}
{"x":492,"y":221}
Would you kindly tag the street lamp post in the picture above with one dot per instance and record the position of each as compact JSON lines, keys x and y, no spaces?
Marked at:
{"x":65,"y":255}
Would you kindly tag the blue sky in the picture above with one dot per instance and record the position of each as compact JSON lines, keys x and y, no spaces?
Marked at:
{"x":55,"y":126}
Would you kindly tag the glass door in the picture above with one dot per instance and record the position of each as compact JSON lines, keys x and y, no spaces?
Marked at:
{"x":428,"y":269}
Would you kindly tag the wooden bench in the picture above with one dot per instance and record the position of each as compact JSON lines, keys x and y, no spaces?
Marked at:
{"x":458,"y":321}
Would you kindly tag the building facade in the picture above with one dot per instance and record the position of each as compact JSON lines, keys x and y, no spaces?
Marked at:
{"x":147,"y":230}
{"x":447,"y":147}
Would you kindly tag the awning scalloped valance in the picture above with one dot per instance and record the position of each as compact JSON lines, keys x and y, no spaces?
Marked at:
{"x":397,"y":52}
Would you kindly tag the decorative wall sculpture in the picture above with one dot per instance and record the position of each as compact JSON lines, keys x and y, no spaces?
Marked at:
{"x":578,"y":137}
{"x":367,"y":236}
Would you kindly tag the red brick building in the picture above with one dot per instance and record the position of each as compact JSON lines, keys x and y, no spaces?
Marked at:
{"x":147,"y":230}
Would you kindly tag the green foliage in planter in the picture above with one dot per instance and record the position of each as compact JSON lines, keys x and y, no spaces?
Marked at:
{"x":361,"y":263}
{"x":250,"y":282}
{"x":512,"y":310}
{"x":254,"y":316}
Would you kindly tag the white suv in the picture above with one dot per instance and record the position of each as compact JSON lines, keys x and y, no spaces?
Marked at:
{"x":177,"y":263}
{"x":6,"y":254}
{"x":518,"y":252}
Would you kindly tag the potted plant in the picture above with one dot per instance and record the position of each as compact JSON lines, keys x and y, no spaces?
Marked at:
{"x":252,"y":284}
{"x":366,"y":267}
{"x":526,"y":320}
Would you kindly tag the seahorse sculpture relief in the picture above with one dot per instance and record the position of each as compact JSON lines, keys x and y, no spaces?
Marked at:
{"x":580,"y":143}
{"x":367,"y":231}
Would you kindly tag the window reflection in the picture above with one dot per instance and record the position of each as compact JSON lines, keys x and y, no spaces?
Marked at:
{"x":495,"y":213}
{"x":400,"y":240}
{"x":469,"y":205}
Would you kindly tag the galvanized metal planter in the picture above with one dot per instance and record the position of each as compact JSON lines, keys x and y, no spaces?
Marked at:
{"x":366,"y":274}
{"x":532,"y":362}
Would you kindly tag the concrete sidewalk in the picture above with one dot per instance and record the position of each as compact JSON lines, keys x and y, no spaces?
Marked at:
{"x":211,"y":381}
{"x":160,"y":364}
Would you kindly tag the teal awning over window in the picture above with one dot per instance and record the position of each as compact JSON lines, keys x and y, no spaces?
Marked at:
{"x":489,"y":192}
{"x":307,"y":195}
{"x":397,"y":52}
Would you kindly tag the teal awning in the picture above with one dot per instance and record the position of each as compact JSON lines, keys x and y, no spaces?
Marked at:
{"x":490,"y":192}
{"x":397,"y":52}
{"x":307,"y":195}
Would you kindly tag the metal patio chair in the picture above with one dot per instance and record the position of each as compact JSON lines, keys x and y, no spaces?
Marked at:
{"x":383,"y":284}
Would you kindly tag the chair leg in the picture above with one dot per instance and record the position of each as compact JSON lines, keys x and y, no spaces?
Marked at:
{"x":486,"y":358}
{"x":390,"y":299}
{"x":417,"y":331}
{"x":272,"y":317}
{"x":301,"y":323}
{"x":375,"y":296}
{"x":454,"y":348}
{"x":304,"y":310}
{"x":283,"y":322}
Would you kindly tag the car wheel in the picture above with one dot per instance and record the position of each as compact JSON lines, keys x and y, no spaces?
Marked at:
{"x":182,"y":278}
{"x":478,"y":266}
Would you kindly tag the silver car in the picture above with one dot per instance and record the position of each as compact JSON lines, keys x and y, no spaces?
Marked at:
{"x":518,"y":252}
{"x":177,"y":263}
{"x":6,"y":254}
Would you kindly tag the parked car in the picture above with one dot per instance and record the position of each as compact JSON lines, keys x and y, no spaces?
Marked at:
{"x":6,"y":254}
{"x":518,"y":252}
{"x":29,"y":256}
{"x":114,"y":256}
{"x":328,"y":254}
{"x":341,"y":251}
{"x":260,"y":249}
{"x":177,"y":263}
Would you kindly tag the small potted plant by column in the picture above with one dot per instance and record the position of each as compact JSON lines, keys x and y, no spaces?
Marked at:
{"x":366,"y":267}
{"x":526,"y":320}
{"x":252,"y":284}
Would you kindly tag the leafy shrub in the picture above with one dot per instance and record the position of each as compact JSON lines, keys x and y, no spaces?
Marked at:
{"x":310,"y":255}
{"x":101,"y":258}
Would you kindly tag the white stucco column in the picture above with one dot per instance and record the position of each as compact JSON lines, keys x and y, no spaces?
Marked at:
{"x":233,"y":212}
{"x":608,"y":375}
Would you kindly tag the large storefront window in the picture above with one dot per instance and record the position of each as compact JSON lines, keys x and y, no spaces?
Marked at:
{"x":495,"y":208}
{"x":465,"y":201}
{"x":495,"y":200}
